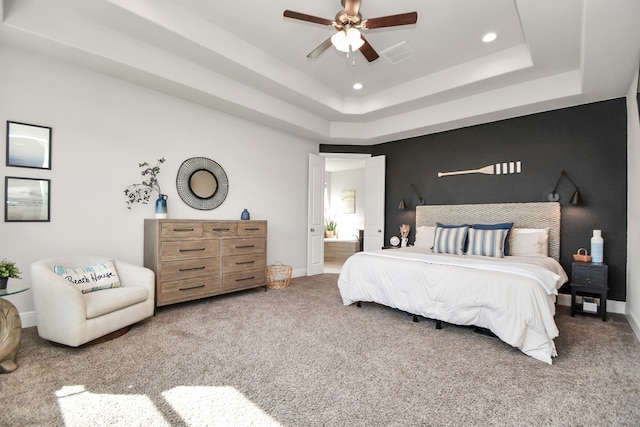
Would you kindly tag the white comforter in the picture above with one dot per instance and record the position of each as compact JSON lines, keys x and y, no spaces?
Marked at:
{"x":512,"y":296}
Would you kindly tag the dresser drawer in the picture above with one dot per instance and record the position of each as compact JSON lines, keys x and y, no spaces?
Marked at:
{"x":185,"y":269}
{"x":220,"y":228}
{"x":243,"y":279}
{"x":189,"y":249}
{"x":183,"y":290}
{"x":589,"y":276}
{"x":181,"y":230}
{"x":233,"y":263}
{"x":252,"y":228}
{"x":244,"y":246}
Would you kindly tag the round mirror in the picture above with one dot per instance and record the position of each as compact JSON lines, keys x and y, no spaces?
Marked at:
{"x":202,"y":183}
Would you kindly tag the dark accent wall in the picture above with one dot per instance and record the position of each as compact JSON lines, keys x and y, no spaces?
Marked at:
{"x":589,"y":142}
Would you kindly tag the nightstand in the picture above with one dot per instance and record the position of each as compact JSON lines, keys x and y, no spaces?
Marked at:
{"x":589,"y":279}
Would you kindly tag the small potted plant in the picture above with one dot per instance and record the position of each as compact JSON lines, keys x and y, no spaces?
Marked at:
{"x":141,"y":192}
{"x":330,"y":226}
{"x":8,"y":269}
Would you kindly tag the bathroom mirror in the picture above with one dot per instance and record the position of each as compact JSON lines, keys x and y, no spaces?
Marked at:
{"x":202,"y":183}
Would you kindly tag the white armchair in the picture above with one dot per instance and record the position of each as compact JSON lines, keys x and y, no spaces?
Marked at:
{"x":67,"y":316}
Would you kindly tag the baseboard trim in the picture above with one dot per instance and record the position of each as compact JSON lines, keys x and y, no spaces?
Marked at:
{"x":618,"y":307}
{"x":633,"y":322}
{"x":28,"y":319}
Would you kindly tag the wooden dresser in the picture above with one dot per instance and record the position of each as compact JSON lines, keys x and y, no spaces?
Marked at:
{"x":200,"y":258}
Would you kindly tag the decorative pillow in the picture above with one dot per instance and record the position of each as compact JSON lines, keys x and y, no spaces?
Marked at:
{"x":487,"y":242}
{"x":505,"y":225}
{"x":424,"y":237}
{"x":91,"y":278}
{"x":529,"y":242}
{"x":450,"y":239}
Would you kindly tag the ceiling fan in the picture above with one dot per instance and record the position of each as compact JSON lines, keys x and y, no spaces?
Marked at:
{"x":348,"y":23}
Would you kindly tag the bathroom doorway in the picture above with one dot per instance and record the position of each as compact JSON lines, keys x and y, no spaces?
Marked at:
{"x":344,"y":203}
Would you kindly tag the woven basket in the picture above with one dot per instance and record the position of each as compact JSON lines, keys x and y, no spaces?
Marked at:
{"x":278,"y":276}
{"x":581,"y":256}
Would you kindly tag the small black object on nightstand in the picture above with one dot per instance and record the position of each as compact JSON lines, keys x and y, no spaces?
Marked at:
{"x":589,"y":279}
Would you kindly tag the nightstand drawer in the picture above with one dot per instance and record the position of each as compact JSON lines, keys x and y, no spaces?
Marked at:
{"x":589,"y":276}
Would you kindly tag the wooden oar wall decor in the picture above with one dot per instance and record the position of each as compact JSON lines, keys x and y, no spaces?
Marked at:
{"x":497,"y":169}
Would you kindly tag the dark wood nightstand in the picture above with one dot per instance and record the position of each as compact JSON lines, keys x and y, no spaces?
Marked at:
{"x":589,"y":279}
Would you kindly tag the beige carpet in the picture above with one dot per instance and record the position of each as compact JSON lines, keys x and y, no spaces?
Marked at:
{"x":298,"y":357}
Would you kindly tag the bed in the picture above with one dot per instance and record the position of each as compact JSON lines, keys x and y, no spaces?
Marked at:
{"x":513,"y":295}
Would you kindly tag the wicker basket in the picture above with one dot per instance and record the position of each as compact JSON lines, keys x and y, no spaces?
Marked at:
{"x":278,"y":276}
{"x":581,"y":256}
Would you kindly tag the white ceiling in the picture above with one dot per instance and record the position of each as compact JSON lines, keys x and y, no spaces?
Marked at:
{"x":244,"y":58}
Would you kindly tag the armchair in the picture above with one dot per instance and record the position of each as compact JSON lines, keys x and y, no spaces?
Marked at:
{"x":67,"y":316}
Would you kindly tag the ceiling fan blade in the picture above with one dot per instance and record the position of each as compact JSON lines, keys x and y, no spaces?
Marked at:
{"x":368,"y":51}
{"x":320,"y":49}
{"x":391,"y":21}
{"x":351,"y":7}
{"x":307,"y":18}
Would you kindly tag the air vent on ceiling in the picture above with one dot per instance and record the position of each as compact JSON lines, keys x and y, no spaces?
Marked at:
{"x":398,"y":53}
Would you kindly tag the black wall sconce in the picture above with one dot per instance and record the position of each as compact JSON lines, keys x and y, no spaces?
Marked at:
{"x":421,"y":201}
{"x":576,"y":199}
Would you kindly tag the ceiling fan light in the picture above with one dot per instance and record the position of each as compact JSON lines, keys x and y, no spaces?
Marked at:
{"x":339,"y":40}
{"x":353,"y":36}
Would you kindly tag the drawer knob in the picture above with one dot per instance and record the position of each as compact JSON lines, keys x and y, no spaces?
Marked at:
{"x":245,"y":246}
{"x":192,"y":250}
{"x":245,"y":262}
{"x":246,"y":278}
{"x":183,"y":229}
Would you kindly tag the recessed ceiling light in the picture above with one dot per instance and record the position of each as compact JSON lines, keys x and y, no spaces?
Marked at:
{"x":489,"y":37}
{"x":357,"y":86}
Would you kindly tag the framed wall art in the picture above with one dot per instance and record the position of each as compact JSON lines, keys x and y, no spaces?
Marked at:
{"x":28,"y":146}
{"x":27,"y":199}
{"x":348,"y":201}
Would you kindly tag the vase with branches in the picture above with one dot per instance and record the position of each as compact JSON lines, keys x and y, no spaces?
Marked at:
{"x":141,"y":192}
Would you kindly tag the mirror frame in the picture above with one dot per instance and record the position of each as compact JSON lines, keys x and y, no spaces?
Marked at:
{"x":183,"y":180}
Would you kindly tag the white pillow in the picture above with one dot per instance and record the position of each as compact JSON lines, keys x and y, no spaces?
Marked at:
{"x":529,"y":242}
{"x":425,"y":237}
{"x":90,"y":278}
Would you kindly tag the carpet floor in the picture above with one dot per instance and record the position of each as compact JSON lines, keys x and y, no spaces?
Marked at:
{"x":298,"y":357}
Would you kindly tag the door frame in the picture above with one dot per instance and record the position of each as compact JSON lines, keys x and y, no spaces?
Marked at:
{"x":362,"y":156}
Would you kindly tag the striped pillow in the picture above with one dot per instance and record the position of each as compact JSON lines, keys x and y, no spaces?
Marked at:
{"x":450,"y":240}
{"x":487,"y":242}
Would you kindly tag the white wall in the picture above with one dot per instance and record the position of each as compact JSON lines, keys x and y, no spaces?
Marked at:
{"x":633,"y":207}
{"x":102,"y":129}
{"x":353,"y":179}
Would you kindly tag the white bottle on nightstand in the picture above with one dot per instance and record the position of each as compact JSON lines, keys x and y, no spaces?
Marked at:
{"x":597,"y":246}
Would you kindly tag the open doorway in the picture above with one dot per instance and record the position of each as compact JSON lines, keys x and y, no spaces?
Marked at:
{"x":344,"y":201}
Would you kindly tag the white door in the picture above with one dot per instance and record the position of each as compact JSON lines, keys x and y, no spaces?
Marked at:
{"x":315,"y":222}
{"x":374,"y":176}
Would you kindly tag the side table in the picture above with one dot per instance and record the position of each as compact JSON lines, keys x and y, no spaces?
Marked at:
{"x":10,"y":327}
{"x":590,"y":279}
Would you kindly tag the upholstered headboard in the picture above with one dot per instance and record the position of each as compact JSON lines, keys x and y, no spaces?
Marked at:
{"x":523,"y":215}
